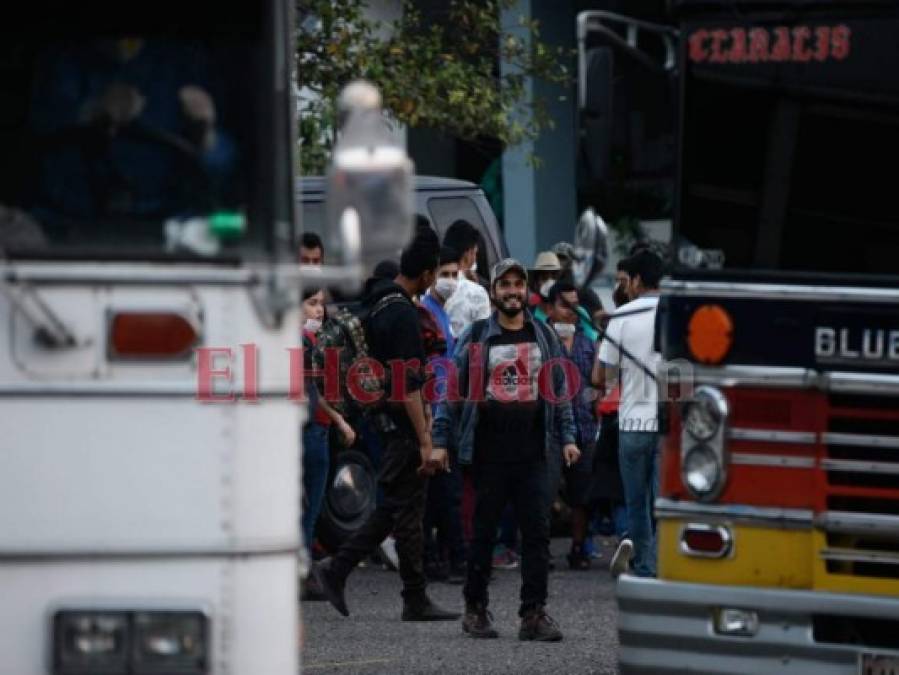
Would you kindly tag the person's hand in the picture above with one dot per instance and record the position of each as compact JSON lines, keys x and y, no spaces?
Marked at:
{"x":347,"y":433}
{"x":439,"y":460}
{"x":425,"y":450}
{"x":571,"y":454}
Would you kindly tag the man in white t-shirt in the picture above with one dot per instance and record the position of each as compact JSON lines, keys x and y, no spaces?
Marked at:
{"x":470,"y":301}
{"x":632,"y":327}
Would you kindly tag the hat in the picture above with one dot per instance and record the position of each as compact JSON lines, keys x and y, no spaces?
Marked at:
{"x":506,"y":265}
{"x":563,"y":250}
{"x":547,"y":261}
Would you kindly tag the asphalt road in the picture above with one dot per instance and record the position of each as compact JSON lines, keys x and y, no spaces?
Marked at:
{"x":374,"y":640}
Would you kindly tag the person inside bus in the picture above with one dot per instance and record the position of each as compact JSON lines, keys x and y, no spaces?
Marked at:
{"x":127,"y":128}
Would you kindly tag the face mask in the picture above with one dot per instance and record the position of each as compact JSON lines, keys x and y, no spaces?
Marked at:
{"x":312,"y":325}
{"x":445,"y":287}
{"x":474,"y":267}
{"x":564,"y":330}
{"x":544,"y":289}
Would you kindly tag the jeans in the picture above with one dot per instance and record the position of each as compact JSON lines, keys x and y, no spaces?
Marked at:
{"x":316,"y":463}
{"x":638,"y":452}
{"x":525,"y":486}
{"x":401,"y":512}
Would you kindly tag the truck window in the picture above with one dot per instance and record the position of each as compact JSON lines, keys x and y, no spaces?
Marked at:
{"x":446,"y":210}
{"x":314,"y":217}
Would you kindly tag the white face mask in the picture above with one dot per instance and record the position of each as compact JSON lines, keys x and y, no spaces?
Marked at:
{"x":564,"y":330}
{"x":474,"y":267}
{"x":544,"y":289}
{"x":445,"y":287}
{"x":312,"y":325}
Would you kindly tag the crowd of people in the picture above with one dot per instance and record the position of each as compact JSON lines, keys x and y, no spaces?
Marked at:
{"x":517,"y":390}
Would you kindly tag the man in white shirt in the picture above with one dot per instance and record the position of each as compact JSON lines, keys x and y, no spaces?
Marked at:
{"x":632,"y":327}
{"x":470,"y":302}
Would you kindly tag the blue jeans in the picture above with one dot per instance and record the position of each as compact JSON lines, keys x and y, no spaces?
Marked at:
{"x":316,"y":463}
{"x":638,"y":453}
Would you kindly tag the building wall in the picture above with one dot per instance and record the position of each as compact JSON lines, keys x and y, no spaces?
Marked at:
{"x":540,"y":201}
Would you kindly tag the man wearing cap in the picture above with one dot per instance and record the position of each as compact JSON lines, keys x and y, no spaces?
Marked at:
{"x":546,"y":271}
{"x":506,"y":419}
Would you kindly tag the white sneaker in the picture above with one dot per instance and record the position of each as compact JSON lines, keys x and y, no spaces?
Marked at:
{"x":622,"y":559}
{"x":389,"y":555}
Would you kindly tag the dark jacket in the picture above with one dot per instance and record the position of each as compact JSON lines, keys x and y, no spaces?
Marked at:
{"x":460,"y":418}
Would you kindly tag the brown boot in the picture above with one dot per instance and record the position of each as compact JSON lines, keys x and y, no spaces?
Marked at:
{"x":537,"y":625}
{"x":478,"y":622}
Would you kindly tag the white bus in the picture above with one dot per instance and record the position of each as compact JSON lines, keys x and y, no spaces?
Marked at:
{"x":147,"y":228}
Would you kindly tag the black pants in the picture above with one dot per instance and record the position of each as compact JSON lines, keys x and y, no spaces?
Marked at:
{"x":443,"y":513}
{"x":525,"y":486}
{"x":400,"y":512}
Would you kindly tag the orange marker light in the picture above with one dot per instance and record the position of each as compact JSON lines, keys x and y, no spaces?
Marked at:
{"x":710,"y":334}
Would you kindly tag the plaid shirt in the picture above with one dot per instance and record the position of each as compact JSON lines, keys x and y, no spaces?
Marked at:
{"x":583,"y":353}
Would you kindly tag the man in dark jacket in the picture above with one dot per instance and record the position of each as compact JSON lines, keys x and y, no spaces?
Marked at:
{"x":515,"y":410}
{"x":393,"y":334}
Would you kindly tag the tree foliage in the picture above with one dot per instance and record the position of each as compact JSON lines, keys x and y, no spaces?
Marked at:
{"x":438,"y":73}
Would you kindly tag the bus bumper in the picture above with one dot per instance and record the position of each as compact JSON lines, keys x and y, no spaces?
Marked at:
{"x":669,"y":627}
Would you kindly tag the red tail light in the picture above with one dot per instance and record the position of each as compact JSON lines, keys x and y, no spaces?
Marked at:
{"x":151,"y":335}
{"x":706,"y":541}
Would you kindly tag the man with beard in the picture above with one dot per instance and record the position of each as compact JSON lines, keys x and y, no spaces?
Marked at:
{"x":506,"y":422}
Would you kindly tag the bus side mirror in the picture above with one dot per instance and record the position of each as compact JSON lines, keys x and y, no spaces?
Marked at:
{"x":591,"y":247}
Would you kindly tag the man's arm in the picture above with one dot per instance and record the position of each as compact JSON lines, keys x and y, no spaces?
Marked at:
{"x":445,"y":411}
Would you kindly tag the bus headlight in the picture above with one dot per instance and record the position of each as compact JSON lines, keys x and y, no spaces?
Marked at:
{"x":705,"y":413}
{"x":701,"y":471}
{"x":86,"y":642}
{"x":704,"y":457}
{"x":169,"y":642}
{"x":139,"y":642}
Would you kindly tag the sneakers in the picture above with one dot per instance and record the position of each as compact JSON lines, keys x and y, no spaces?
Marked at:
{"x":331,"y":586}
{"x":423,"y":609}
{"x":622,"y":559}
{"x":389,"y":555}
{"x":538,"y":626}
{"x":504,"y":558}
{"x":478,"y":622}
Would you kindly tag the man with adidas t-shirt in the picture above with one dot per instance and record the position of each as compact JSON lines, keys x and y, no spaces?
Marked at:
{"x":514,"y":411}
{"x":627,"y":354}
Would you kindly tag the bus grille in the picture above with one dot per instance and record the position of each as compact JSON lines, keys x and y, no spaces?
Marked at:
{"x":861,"y":464}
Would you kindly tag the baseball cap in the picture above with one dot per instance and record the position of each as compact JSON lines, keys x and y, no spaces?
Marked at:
{"x":505,"y":265}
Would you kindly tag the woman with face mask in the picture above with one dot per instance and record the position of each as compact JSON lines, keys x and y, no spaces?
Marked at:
{"x":316,"y":453}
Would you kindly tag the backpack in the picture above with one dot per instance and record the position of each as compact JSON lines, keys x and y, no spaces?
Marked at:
{"x":346,"y":332}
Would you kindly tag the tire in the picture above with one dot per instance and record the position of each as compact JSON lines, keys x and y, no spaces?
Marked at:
{"x":350,"y":498}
